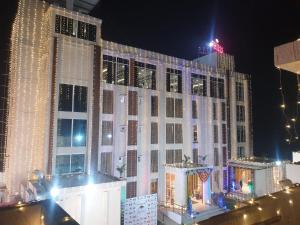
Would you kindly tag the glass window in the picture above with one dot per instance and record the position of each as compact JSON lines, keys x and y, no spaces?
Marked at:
{"x":170,"y":133}
{"x":154,"y":133}
{"x":195,"y":139}
{"x":241,"y":152}
{"x":214,"y":111}
{"x":178,"y":134}
{"x":154,"y":186}
{"x":239,"y":91}
{"x":62,"y":164}
{"x":107,"y":132}
{"x":131,"y":189}
{"x":106,"y":163}
{"x":178,"y":155}
{"x":131,"y":163}
{"x":154,"y":161}
{"x":198,"y":83}
{"x":240,"y":113}
{"x":216,"y":134}
{"x":145,"y":74}
{"x":194,"y":109}
{"x":216,"y":156}
{"x":57,"y":23}
{"x":223,"y":108}
{"x":108,"y":102}
{"x":224,"y":134}
{"x":178,"y":108}
{"x":79,"y":133}
{"x":122,"y":72}
{"x":154,"y":106}
{"x":64,"y":129}
{"x":241,"y":134}
{"x":170,"y":107}
{"x":224,"y":156}
{"x":217,"y":88}
{"x":195,"y":155}
{"x":169,"y":156}
{"x":77,"y":163}
{"x":132,"y":132}
{"x":174,"y":80}
{"x":221,"y":89}
{"x":65,"y":97}
{"x":80,"y":99}
{"x":132,"y":103}
{"x":109,"y":68}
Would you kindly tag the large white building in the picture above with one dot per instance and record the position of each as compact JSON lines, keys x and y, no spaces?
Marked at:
{"x":81,"y":104}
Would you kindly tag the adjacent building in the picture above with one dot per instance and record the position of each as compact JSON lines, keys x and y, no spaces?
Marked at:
{"x":79,"y":104}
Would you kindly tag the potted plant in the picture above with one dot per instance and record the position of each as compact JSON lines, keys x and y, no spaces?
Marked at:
{"x":121,"y":169}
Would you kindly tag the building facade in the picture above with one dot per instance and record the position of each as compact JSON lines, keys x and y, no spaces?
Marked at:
{"x":81,"y":104}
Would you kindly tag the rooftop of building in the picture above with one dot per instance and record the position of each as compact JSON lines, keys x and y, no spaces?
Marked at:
{"x":45,"y":212}
{"x":281,"y":208}
{"x":255,"y":162}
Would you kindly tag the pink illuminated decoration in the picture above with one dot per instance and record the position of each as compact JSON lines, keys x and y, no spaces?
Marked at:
{"x":214,"y":44}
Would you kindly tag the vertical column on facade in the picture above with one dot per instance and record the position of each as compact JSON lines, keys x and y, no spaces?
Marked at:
{"x":96,"y":110}
{"x":52,"y":106}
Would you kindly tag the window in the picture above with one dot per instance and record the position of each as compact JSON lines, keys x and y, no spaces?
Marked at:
{"x":131,"y":163}
{"x":69,"y":164}
{"x":79,"y":133}
{"x":195,"y":139}
{"x":224,"y":149}
{"x":198,"y":84}
{"x":225,"y":185}
{"x":66,"y":102}
{"x":223,"y":108}
{"x":173,"y":156}
{"x":170,"y":188}
{"x":174,"y":80}
{"x":64,"y":129}
{"x":65,"y":97}
{"x":170,"y":107}
{"x":239,"y":91}
{"x":108,"y":102}
{"x":154,"y":161}
{"x":77,"y":163}
{"x":132,"y":103}
{"x":216,"y":157}
{"x":154,"y":106}
{"x":240,"y":113}
{"x":217,"y":178}
{"x":145,"y":74}
{"x":224,"y":134}
{"x":214,"y":111}
{"x":62,"y":164}
{"x":132,"y":132}
{"x":115,"y":70}
{"x":195,"y":155}
{"x":241,"y":134}
{"x":154,"y":133}
{"x":178,"y":134}
{"x":194,"y":109}
{"x":154,"y":186}
{"x":106,"y":163}
{"x":217,"y":88}
{"x":70,"y":27}
{"x":170,"y":133}
{"x":241,"y":152}
{"x":131,"y":189}
{"x":80,"y":99}
{"x":216,"y":134}
{"x":107,"y":132}
{"x":178,"y":108}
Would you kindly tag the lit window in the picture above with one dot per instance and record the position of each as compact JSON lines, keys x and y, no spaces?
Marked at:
{"x":145,"y":75}
{"x":198,"y":84}
{"x":79,"y":133}
{"x":65,"y":97}
{"x":174,"y":80}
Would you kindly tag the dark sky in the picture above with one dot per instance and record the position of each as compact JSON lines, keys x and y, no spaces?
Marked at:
{"x":247,"y":29}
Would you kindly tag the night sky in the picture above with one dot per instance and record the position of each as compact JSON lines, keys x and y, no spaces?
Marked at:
{"x":249,"y":30}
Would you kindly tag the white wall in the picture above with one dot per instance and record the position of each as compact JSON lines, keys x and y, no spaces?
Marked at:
{"x":293,"y":172}
{"x":296,"y":157}
{"x":93,"y":204}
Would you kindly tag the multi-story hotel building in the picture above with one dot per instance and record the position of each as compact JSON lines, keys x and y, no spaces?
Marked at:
{"x":81,"y":104}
